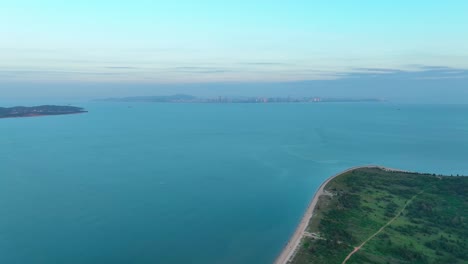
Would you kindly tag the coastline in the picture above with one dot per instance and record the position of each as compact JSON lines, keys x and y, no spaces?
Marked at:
{"x":290,"y":249}
{"x":40,"y":115}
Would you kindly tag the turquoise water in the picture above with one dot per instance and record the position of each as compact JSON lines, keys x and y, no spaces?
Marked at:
{"x":197,"y":183}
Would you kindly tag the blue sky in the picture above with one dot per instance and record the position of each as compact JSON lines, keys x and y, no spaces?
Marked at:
{"x":164,"y":42}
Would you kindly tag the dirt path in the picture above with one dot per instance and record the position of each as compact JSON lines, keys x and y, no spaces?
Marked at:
{"x":291,"y":247}
{"x":356,"y":249}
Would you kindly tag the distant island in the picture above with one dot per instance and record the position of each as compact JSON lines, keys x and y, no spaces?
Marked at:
{"x":378,"y":215}
{"x":43,"y":110}
{"x":183,"y":98}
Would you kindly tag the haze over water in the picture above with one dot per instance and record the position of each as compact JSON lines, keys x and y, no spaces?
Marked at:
{"x":197,"y":183}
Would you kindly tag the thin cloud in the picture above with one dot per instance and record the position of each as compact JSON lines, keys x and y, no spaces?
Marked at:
{"x":121,"y":67}
{"x":422,"y":72}
{"x":195,"y":69}
{"x":266,"y":63}
{"x":378,"y":70}
{"x":51,"y":73}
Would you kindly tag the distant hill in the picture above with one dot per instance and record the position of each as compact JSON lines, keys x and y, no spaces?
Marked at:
{"x":153,"y":99}
{"x":183,"y":98}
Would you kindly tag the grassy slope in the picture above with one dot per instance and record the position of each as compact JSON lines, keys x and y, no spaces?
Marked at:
{"x":432,"y":229}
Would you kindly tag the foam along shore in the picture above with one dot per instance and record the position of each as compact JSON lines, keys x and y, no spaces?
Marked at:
{"x":291,"y":247}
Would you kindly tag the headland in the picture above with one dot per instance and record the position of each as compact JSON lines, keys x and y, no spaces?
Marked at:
{"x":43,"y":110}
{"x":374,"y":214}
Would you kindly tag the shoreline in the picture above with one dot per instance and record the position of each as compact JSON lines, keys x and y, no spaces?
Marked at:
{"x":290,"y":248}
{"x":40,"y":115}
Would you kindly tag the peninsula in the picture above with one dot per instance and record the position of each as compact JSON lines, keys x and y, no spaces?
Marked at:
{"x":43,"y":110}
{"x":374,"y":214}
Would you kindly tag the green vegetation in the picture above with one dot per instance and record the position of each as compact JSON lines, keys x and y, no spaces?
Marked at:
{"x":432,"y":228}
{"x":21,"y":111}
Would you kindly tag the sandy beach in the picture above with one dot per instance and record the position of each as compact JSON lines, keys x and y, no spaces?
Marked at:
{"x":289,"y":250}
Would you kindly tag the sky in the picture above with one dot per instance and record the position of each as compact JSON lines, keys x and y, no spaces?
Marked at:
{"x":186,"y":42}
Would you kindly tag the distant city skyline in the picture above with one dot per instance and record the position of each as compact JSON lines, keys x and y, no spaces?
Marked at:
{"x":173,"y":42}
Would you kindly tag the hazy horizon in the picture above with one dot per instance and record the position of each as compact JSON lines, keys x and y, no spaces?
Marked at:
{"x":406,"y":51}
{"x":425,"y":85}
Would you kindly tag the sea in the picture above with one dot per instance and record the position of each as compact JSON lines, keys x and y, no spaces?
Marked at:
{"x":197,"y":183}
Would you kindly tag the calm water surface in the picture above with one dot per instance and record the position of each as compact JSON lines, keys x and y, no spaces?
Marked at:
{"x":197,"y":183}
